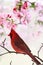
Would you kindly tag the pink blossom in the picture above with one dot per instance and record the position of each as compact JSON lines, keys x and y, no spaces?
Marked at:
{"x":22,"y":14}
{"x":25,"y":5}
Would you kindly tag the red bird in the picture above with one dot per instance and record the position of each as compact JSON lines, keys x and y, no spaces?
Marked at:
{"x":20,"y":46}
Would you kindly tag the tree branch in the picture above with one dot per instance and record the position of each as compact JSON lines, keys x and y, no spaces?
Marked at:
{"x":38,"y":58}
{"x":40,"y":49}
{"x":8,"y":51}
{"x":12,"y":52}
{"x":3,"y":54}
{"x":4,"y":48}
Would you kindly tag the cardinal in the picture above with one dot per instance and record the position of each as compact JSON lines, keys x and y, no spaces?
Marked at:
{"x":20,"y":46}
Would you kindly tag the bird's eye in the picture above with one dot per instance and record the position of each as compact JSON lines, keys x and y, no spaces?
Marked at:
{"x":10,"y":36}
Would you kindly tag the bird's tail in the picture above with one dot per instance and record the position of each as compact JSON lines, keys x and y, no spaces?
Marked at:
{"x":33,"y":58}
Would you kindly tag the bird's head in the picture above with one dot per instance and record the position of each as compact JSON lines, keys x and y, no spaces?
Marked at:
{"x":12,"y":33}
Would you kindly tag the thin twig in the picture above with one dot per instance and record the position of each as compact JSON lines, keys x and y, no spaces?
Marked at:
{"x":38,"y":58}
{"x":4,"y":48}
{"x":11,"y":52}
{"x":33,"y":63}
{"x":3,"y":54}
{"x":40,"y":49}
{"x":11,"y":63}
{"x":4,"y":42}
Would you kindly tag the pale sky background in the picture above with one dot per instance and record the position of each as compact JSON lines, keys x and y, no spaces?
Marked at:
{"x":25,"y":32}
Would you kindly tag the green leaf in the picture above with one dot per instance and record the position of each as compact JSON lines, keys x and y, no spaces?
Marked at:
{"x":18,"y":5}
{"x":33,"y":5}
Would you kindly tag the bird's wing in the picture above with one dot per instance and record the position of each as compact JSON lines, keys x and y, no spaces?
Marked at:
{"x":21,"y":45}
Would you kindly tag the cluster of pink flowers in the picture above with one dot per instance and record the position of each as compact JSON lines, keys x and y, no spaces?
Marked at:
{"x":23,"y":15}
{"x":6,"y":19}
